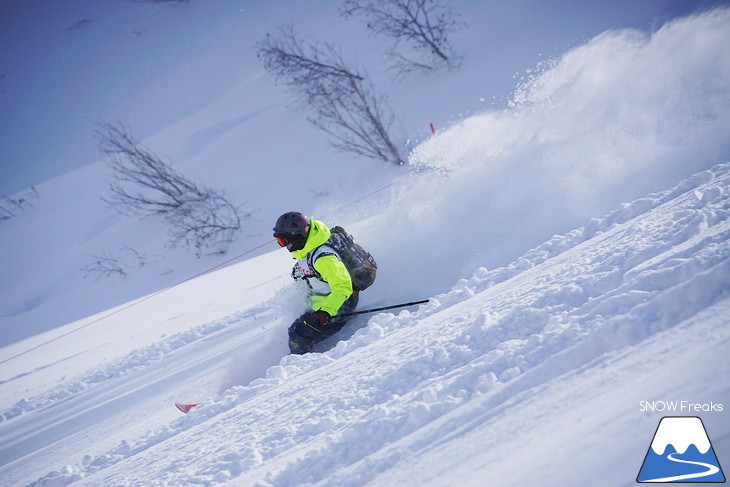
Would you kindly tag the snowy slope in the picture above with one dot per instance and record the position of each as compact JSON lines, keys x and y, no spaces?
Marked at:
{"x":624,"y":113}
{"x":529,"y":374}
{"x":528,"y":366}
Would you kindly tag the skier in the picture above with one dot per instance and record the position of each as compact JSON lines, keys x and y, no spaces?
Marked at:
{"x":328,"y":280}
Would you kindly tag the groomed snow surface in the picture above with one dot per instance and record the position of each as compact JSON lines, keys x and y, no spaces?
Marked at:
{"x":534,"y":372}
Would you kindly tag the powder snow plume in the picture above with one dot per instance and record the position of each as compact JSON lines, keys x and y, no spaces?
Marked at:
{"x":625,"y":114}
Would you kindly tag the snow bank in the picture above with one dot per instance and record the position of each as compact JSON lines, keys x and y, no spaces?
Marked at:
{"x":374,"y":406}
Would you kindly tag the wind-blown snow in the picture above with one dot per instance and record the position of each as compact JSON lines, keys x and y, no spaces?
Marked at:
{"x":555,"y":307}
{"x":610,"y":121}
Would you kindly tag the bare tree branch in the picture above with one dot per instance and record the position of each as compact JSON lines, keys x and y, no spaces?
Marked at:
{"x":110,"y":264}
{"x":145,"y":185}
{"x":105,"y":265}
{"x":344,"y":102}
{"x":12,"y":206}
{"x":422,"y":25}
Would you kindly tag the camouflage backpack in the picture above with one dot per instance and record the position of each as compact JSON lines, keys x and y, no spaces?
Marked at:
{"x":358,"y":261}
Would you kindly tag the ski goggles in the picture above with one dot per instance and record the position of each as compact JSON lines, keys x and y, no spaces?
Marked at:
{"x":283,"y":241}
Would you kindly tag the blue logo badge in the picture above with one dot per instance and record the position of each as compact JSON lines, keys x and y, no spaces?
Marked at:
{"x":680,"y":452}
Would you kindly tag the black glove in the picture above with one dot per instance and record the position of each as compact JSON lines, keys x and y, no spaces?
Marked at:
{"x":322,"y":317}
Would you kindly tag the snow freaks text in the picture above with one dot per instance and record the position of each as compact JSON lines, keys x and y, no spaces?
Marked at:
{"x":680,"y":407}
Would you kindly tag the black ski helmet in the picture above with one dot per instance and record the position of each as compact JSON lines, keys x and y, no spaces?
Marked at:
{"x":292,"y":226}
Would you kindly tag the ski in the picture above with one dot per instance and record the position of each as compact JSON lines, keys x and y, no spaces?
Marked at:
{"x":185,"y":408}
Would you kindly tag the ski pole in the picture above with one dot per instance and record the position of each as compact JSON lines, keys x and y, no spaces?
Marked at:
{"x":412,"y":303}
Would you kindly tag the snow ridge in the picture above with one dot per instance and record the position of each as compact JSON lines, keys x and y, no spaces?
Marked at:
{"x":406,"y":382}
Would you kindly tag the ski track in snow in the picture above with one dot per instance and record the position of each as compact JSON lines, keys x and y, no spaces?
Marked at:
{"x":333,"y":418}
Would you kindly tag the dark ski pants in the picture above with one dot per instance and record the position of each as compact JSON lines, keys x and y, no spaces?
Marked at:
{"x":305,"y":332}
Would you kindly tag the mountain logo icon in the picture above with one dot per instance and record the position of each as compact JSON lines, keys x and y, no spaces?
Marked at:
{"x":680,"y":452}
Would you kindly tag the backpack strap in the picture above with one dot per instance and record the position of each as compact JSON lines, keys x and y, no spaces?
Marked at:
{"x":320,"y":251}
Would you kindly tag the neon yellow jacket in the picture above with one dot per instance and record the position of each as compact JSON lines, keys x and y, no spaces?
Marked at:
{"x":329,"y":267}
